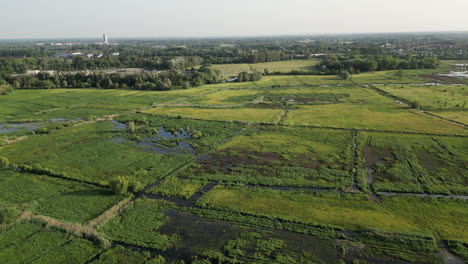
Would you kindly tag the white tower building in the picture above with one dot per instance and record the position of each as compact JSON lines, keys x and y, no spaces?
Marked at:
{"x":106,"y":40}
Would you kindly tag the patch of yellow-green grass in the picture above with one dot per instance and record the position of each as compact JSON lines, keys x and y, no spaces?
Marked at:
{"x":223,"y":97}
{"x":286,"y":65}
{"x":447,"y":97}
{"x":299,"y":80}
{"x":459,"y":116}
{"x":409,"y":76}
{"x":321,"y":80}
{"x":231,"y":85}
{"x":83,"y":103}
{"x":384,"y":116}
{"x":173,"y":186}
{"x":351,"y":211}
{"x":447,"y":217}
{"x":235,"y":114}
{"x":230,"y":70}
{"x":357,"y":95}
{"x":284,"y":80}
{"x":292,"y":141}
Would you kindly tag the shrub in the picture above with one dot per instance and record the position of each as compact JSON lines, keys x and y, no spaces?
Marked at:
{"x":8,"y":215}
{"x":135,"y":186}
{"x":119,"y":185}
{"x":4,"y":163}
{"x":42,"y":130}
{"x":197,"y":135}
{"x":131,"y":127}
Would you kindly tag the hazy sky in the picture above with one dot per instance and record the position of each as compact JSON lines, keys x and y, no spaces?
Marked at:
{"x":194,"y":18}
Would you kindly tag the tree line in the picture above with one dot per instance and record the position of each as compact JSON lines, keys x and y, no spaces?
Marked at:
{"x":358,"y":63}
{"x":142,"y":81}
{"x":76,"y":63}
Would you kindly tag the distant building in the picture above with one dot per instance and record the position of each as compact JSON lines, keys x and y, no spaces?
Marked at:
{"x":106,"y":40}
{"x":69,"y":55}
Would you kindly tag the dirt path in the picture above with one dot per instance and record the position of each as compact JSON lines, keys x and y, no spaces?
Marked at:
{"x":80,"y":229}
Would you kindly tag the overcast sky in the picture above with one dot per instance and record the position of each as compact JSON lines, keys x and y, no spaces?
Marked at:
{"x":202,"y":18}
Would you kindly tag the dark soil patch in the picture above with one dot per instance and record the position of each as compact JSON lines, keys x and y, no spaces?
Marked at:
{"x":442,"y":79}
{"x":374,"y":155}
{"x":313,"y":164}
{"x":266,"y":105}
{"x":223,"y":160}
{"x":197,"y":234}
{"x":429,"y":161}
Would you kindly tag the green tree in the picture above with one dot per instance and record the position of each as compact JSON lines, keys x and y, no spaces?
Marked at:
{"x":345,"y":75}
{"x":4,"y":89}
{"x":119,"y":185}
{"x":400,"y":74}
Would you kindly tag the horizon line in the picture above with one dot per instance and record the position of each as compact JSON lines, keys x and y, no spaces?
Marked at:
{"x":239,"y":36}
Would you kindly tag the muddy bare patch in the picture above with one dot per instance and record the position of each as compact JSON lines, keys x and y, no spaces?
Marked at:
{"x":429,"y":161}
{"x":443,"y":78}
{"x":223,"y":160}
{"x":374,"y":156}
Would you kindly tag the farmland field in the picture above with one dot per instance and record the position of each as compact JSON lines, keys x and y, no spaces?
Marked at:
{"x":229,"y":70}
{"x":64,"y":200}
{"x":280,"y":156}
{"x":286,"y":169}
{"x":414,"y":164}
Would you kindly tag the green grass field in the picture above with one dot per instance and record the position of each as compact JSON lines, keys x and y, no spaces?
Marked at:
{"x":444,"y":100}
{"x":242,"y":115}
{"x":173,"y":186}
{"x":379,"y":114}
{"x":81,"y":103}
{"x":351,"y":211}
{"x":301,"y":167}
{"x":228,"y":70}
{"x":280,"y":156}
{"x":414,"y":163}
{"x":120,"y":254}
{"x":137,"y":225}
{"x":43,"y":245}
{"x":87,"y":153}
{"x":61,"y":199}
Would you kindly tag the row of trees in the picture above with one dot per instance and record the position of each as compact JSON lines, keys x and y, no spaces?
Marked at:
{"x":357,"y":64}
{"x":142,"y":81}
{"x":21,"y":65}
{"x":249,"y":77}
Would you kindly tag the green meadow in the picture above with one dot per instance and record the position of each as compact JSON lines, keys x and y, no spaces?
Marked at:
{"x":287,"y":169}
{"x":350,"y":211}
{"x":280,"y":156}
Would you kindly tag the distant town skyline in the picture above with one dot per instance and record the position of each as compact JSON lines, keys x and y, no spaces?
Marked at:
{"x":24,"y":19}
